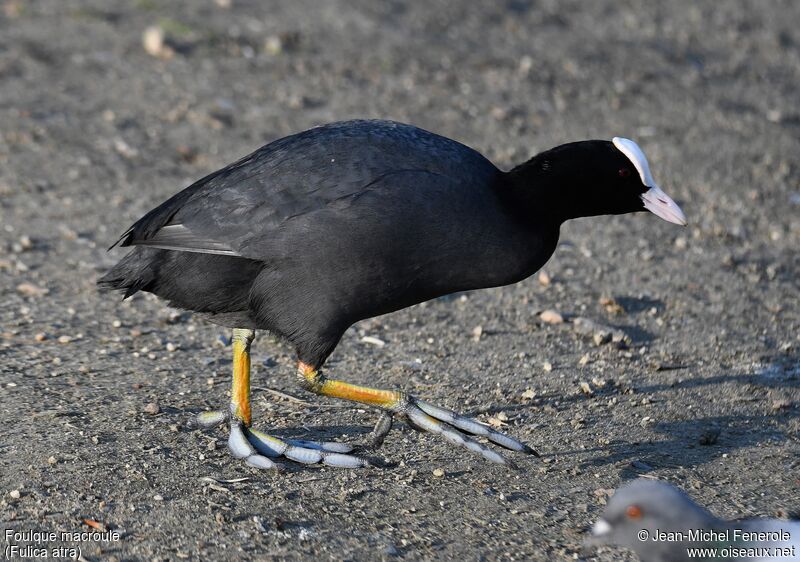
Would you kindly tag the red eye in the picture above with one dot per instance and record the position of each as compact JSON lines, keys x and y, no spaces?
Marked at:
{"x":633,"y":512}
{"x":624,"y":172}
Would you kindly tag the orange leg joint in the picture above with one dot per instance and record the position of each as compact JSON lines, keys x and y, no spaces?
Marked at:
{"x":240,"y":389}
{"x":314,"y":381}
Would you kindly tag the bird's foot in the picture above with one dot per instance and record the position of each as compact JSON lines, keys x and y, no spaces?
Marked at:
{"x":258,"y":449}
{"x":453,"y":427}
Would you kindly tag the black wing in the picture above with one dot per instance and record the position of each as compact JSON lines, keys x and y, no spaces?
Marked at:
{"x":225,"y":212}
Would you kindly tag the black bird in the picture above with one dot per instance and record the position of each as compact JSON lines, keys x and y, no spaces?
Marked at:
{"x":347,"y":221}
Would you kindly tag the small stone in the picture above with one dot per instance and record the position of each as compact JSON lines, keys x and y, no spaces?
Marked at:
{"x":438,"y":472}
{"x":171,"y":347}
{"x":781,"y":404}
{"x":551,"y":317}
{"x":52,"y":460}
{"x":600,"y":338}
{"x":41,"y":336}
{"x":158,"y":497}
{"x":709,"y":437}
{"x":611,"y":306}
{"x":529,"y":394}
{"x":273,"y":45}
{"x":152,"y":408}
{"x":14,"y":494}
{"x":583,"y":360}
{"x":377,"y":342}
{"x":31,"y":290}
{"x":586,"y":388}
{"x":477,"y":332}
{"x":153,"y":41}
{"x":64,"y":339}
{"x":116,"y":323}
{"x":544,"y":278}
{"x":547,"y":366}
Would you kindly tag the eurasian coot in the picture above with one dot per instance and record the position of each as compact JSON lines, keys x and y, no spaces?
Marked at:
{"x":347,"y":221}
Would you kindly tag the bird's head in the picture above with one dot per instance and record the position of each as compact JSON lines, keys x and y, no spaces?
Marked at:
{"x":642,"y":507}
{"x":595,"y":177}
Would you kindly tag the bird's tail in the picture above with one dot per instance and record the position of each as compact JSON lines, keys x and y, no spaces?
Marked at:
{"x":132,"y":273}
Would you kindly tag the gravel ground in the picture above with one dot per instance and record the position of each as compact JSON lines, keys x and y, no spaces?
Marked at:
{"x":96,"y":128}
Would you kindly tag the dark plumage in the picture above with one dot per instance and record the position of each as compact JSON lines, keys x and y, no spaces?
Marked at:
{"x":318,"y":230}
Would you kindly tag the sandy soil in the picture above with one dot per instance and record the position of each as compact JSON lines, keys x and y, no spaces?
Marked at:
{"x":95,"y":394}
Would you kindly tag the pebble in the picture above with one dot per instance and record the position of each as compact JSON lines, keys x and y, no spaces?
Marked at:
{"x":600,"y":338}
{"x":158,"y":497}
{"x":477,"y":332}
{"x":52,"y":460}
{"x":152,"y":408}
{"x":41,"y":336}
{"x":171,"y":347}
{"x":547,"y":366}
{"x":23,"y":245}
{"x":116,"y":323}
{"x":153,"y":43}
{"x":586,"y":388}
{"x":438,"y":472}
{"x":551,"y":317}
{"x":64,"y":339}
{"x":544,"y":278}
{"x":371,"y":340}
{"x":709,"y":437}
{"x":600,"y":333}
{"x":14,"y":494}
{"x":611,"y":306}
{"x":273,"y":45}
{"x":781,"y":404}
{"x":31,"y":290}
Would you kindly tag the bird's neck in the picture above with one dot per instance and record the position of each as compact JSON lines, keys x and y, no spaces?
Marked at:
{"x":534,"y":196}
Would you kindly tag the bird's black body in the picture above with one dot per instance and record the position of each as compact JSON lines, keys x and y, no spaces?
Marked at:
{"x":318,"y":230}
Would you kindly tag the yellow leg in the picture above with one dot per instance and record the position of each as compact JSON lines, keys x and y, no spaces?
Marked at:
{"x":240,"y":390}
{"x":454,"y":427}
{"x":314,"y":381}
